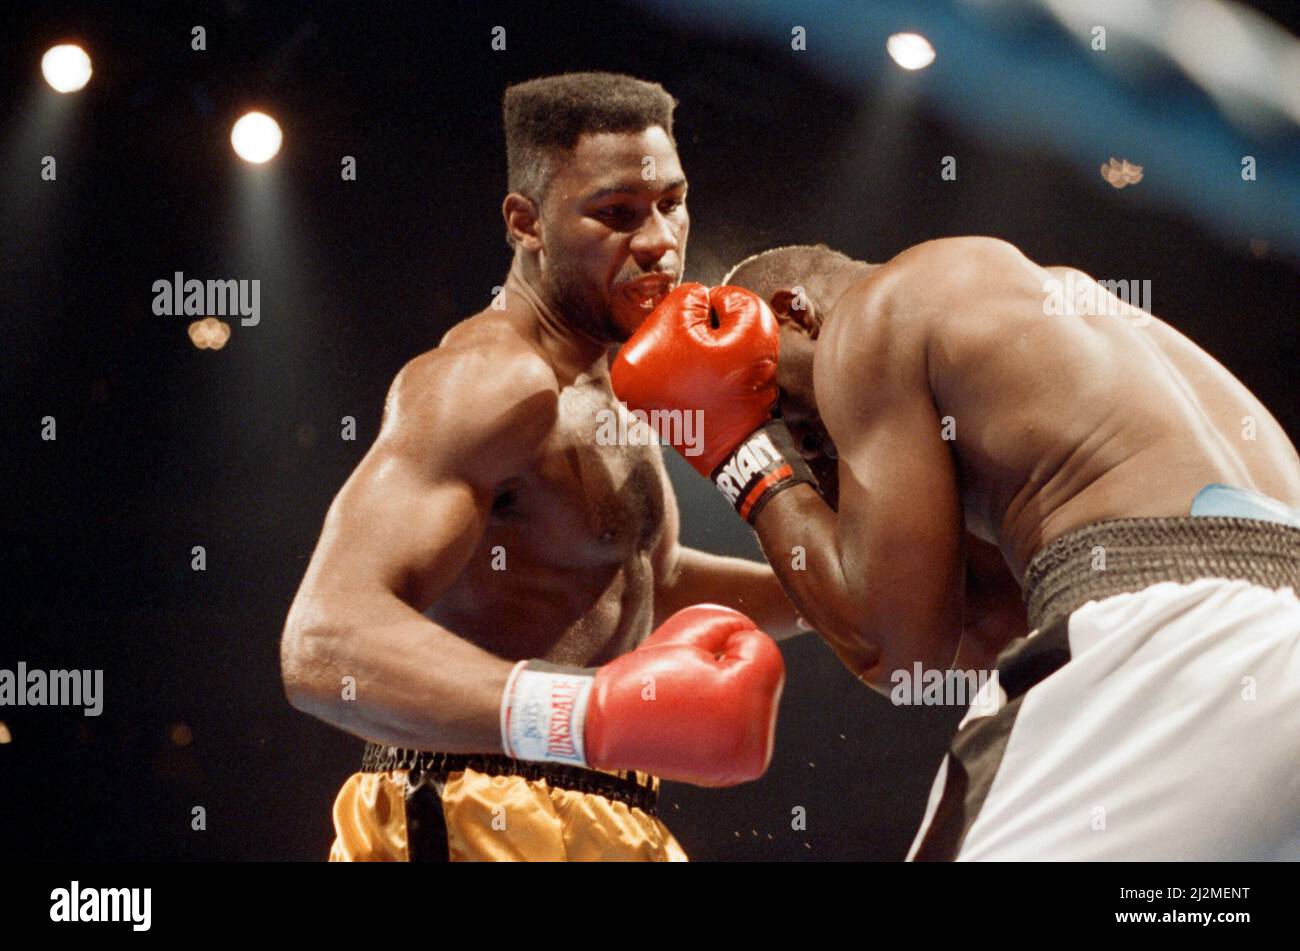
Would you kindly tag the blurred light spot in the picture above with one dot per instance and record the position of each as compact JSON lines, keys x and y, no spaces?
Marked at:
{"x":910,"y":50}
{"x":181,"y":735}
{"x":256,"y":137}
{"x":1258,"y":247}
{"x":1120,"y":173}
{"x":66,"y":68}
{"x":209,"y":333}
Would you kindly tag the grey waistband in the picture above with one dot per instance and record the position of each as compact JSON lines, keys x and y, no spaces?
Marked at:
{"x":1127,"y":555}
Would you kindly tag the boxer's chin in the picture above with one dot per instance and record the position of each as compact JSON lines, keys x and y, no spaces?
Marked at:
{"x":630,"y":309}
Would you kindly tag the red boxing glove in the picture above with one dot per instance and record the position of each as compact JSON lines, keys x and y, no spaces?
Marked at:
{"x":710,"y":350}
{"x":713,"y":352}
{"x":696,"y":702}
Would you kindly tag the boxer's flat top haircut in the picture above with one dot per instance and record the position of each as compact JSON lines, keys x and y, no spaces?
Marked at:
{"x":796,"y":265}
{"x":545,"y":117}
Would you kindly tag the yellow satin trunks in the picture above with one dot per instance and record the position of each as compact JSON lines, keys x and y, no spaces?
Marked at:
{"x":439,"y":808}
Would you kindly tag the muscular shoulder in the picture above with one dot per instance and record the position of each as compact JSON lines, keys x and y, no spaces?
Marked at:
{"x":936,"y":274}
{"x":904,"y":304}
{"x":479,"y":404}
{"x":960,"y":258}
{"x":876,"y":349}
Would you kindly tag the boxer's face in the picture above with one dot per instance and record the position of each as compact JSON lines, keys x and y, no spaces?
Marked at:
{"x":614,"y":228}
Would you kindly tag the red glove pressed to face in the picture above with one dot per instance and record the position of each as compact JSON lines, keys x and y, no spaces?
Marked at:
{"x":714,"y":350}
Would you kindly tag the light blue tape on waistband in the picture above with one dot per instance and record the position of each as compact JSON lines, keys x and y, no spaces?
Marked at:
{"x":1227,"y":501}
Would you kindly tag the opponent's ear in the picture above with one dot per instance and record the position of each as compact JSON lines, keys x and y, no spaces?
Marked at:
{"x":523,"y":221}
{"x":793,"y":305}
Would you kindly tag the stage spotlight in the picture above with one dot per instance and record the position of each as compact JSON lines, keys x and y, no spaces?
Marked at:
{"x":910,"y":50}
{"x":256,"y":138}
{"x":66,"y":68}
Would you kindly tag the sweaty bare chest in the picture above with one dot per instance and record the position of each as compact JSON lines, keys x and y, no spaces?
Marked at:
{"x":588,"y":499}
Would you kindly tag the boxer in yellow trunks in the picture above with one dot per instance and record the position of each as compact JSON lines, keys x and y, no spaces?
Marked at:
{"x":490,"y":523}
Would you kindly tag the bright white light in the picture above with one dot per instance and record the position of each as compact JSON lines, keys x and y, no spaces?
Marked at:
{"x":256,"y":137}
{"x":910,"y":50}
{"x":66,"y":68}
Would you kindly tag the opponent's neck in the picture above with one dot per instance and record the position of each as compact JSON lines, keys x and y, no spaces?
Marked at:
{"x":568,"y":347}
{"x":848,"y":278}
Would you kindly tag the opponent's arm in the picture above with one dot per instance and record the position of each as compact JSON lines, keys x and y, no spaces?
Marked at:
{"x":907,"y":583}
{"x":883,"y":578}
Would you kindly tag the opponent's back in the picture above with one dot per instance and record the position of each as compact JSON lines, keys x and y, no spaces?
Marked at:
{"x":1062,"y":406}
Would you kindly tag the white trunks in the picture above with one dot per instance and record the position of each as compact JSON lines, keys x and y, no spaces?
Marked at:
{"x":1153,"y":713}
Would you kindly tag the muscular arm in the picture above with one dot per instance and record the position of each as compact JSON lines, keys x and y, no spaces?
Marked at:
{"x":458,"y":421}
{"x":885,"y":579}
{"x":686,"y":576}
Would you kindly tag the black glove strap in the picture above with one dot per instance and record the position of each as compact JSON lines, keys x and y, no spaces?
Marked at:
{"x":763,"y":465}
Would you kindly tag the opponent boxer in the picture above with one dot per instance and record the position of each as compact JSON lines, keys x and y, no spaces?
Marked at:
{"x":1142,"y":496}
{"x":488,"y":525}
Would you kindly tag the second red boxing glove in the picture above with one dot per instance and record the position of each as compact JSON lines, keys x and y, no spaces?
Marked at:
{"x":695,"y":702}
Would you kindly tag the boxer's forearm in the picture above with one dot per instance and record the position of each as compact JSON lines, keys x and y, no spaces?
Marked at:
{"x":750,"y":587}
{"x":390,"y":675}
{"x":798,"y":533}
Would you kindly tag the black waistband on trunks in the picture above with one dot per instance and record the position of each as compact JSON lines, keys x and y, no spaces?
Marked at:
{"x":624,"y":787}
{"x":1130,"y":554}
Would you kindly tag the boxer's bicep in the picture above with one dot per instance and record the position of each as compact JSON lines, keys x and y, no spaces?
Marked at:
{"x":416,"y":507}
{"x":394,"y":529}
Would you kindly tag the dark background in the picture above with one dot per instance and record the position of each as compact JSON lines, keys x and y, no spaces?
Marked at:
{"x":162,"y":447}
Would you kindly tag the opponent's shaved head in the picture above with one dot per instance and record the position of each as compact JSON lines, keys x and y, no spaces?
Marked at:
{"x":544,"y":119}
{"x":795,"y":265}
